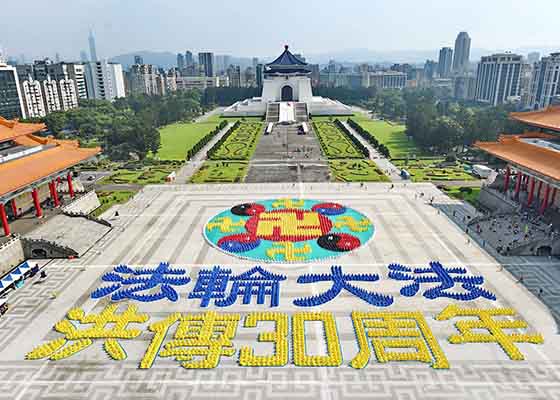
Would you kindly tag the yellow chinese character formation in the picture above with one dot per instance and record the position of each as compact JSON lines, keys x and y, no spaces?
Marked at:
{"x":208,"y":336}
{"x":288,"y":203}
{"x":279,"y":337}
{"x":107,"y":325}
{"x":288,"y":250}
{"x":290,"y":223}
{"x":225,"y":224}
{"x":495,"y":327}
{"x":352,"y":224}
{"x":400,"y":330}
{"x":301,"y":358}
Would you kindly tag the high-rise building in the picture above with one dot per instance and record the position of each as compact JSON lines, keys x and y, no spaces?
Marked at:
{"x":533,"y":57}
{"x":83,"y":56}
{"x":464,"y":87}
{"x":462,"y":52}
{"x":189,"y":59}
{"x":11,"y":101}
{"x":92,"y":49}
{"x":445,"y":62}
{"x":255,"y":62}
{"x":138,"y":60}
{"x":144,"y":79}
{"x":50,"y":95}
{"x":206,"y":61}
{"x":180,"y":62}
{"x":33,"y":98}
{"x":234,"y":75}
{"x":104,"y":80}
{"x":430,"y":69}
{"x":545,"y":85}
{"x":259,"y":74}
{"x":77,"y":73}
{"x":498,"y":78}
{"x":68,"y":94}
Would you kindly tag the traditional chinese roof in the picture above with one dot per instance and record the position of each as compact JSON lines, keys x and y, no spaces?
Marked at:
{"x":10,"y":129}
{"x":514,"y":150}
{"x":546,"y":119}
{"x":287,"y":63}
{"x":51,"y":156}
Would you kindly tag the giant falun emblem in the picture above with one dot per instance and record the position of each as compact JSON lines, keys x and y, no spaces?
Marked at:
{"x":288,"y":230}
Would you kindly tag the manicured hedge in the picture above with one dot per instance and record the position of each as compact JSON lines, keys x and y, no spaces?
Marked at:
{"x":204,"y":141}
{"x":369,"y":138}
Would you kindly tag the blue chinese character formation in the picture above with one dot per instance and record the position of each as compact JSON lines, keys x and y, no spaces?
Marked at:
{"x":446,"y":277}
{"x":212,"y":284}
{"x":146,"y":285}
{"x":341,"y":281}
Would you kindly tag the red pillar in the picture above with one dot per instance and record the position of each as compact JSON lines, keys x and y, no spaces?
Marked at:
{"x":539,"y":191}
{"x":54,"y":194}
{"x":553,"y":197}
{"x":14,"y":207}
{"x":4,"y":219}
{"x":531,"y":192}
{"x":36,"y":203}
{"x":518,"y":183}
{"x":506,"y":180}
{"x":544,"y":203}
{"x":70,"y":186}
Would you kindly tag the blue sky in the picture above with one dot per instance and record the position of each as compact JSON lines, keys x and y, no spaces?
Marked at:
{"x":260,"y":28}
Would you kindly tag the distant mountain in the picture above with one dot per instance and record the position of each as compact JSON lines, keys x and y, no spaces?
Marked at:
{"x":162,"y":59}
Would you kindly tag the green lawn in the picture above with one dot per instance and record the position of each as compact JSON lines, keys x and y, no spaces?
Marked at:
{"x":430,"y":170}
{"x":334,"y":142}
{"x":470,"y":195}
{"x":143,"y":176}
{"x":392,"y":136}
{"x":221,"y":172}
{"x":240,"y":144}
{"x":356,"y":171}
{"x":109,"y":199}
{"x":177,"y":139}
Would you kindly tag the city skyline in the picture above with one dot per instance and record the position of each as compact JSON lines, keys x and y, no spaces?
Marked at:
{"x":371,"y":28}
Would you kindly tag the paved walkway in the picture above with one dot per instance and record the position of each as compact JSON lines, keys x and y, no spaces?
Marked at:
{"x":383,"y":163}
{"x":190,"y":167}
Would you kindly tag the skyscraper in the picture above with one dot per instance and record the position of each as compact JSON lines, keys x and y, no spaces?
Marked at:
{"x":206,"y":60}
{"x":180,"y":62}
{"x":498,"y":78}
{"x":105,"y":81}
{"x":462,"y":52}
{"x":138,"y":60}
{"x":545,"y":85}
{"x":83,"y":56}
{"x":189,"y":59}
{"x":11,"y":102}
{"x":430,"y":69}
{"x":92,"y":49}
{"x":445,"y":61}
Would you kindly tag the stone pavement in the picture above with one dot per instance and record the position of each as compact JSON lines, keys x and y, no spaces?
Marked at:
{"x":165,"y":223}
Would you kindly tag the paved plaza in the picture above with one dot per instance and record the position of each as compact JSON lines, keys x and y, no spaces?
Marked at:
{"x":166,"y":224}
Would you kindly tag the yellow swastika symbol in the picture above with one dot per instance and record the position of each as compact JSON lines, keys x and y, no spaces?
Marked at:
{"x":225,"y":224}
{"x":352,"y":224}
{"x":288,"y":203}
{"x":289,"y":251}
{"x":288,"y":224}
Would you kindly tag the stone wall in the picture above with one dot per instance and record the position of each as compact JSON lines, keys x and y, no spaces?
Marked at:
{"x":11,"y":255}
{"x":496,"y":201}
{"x":83,"y":204}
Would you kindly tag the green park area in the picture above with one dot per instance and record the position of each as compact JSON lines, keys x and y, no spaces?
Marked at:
{"x":221,"y":172}
{"x":178,"y":138}
{"x":109,"y":199}
{"x":334,"y":142}
{"x":141,"y":175}
{"x":239,"y":144}
{"x":433,"y":170}
{"x":356,"y":171}
{"x":391,"y":135}
{"x":467,"y":194}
